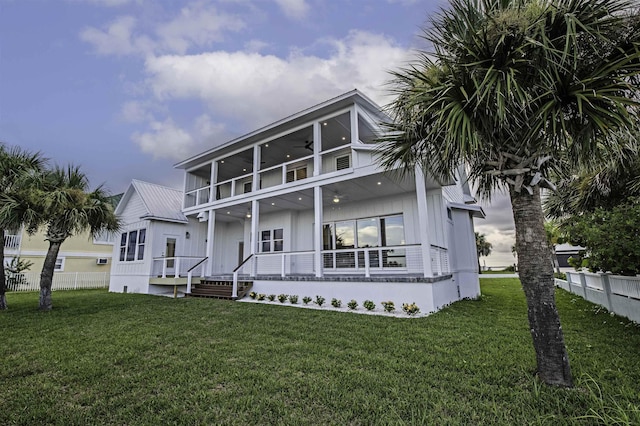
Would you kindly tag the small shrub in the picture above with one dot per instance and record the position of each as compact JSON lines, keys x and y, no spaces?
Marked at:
{"x":336,"y":303}
{"x":410,"y":308}
{"x":560,"y":275}
{"x":261,"y":296}
{"x":389,"y":306}
{"x":319,"y":300}
{"x":353,"y":305}
{"x":369,"y":305}
{"x":282,"y":298}
{"x":293,"y":299}
{"x":271,"y":297}
{"x":306,"y":300}
{"x":253,"y":295}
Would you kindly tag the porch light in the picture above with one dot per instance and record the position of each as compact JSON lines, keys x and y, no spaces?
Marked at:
{"x":379,"y":183}
{"x":249,"y":214}
{"x":336,"y":199}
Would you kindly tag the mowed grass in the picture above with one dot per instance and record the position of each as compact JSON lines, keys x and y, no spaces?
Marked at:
{"x":101,"y":358}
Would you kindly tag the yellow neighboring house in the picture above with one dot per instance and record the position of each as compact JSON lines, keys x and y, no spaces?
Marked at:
{"x":83,"y":261}
{"x":79,"y":253}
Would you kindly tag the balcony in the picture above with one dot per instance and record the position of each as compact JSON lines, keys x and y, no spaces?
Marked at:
{"x":12,"y":242}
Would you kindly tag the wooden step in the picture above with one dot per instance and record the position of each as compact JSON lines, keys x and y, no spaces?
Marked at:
{"x":220,"y":289}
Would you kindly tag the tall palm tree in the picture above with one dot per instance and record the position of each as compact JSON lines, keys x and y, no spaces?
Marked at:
{"x":69,"y":208}
{"x":17,"y":167}
{"x":510,"y":88}
{"x":483,"y":247}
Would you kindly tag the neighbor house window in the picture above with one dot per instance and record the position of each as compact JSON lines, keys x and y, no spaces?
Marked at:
{"x":272,"y":240}
{"x":132,"y":245}
{"x":59,"y":264}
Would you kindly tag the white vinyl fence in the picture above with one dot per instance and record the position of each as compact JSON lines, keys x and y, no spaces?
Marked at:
{"x":617,"y":293}
{"x":30,"y":281}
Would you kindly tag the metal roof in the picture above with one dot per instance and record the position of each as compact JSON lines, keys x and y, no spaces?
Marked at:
{"x":161,"y":202}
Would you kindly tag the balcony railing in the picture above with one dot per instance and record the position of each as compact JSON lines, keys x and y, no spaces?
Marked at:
{"x":12,"y":242}
{"x":196,"y":197}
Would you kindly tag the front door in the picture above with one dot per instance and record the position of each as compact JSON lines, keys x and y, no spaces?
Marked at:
{"x":170,"y":251}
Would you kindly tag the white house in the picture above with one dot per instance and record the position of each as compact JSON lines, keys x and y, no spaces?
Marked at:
{"x":302,"y":207}
{"x":144,"y":257}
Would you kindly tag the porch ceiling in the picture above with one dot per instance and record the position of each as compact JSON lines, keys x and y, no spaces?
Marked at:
{"x":354,"y":190}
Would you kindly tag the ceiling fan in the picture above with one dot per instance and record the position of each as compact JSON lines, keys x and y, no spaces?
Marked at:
{"x":307,"y":145}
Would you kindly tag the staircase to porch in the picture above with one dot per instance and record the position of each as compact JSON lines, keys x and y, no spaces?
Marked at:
{"x":219,"y":288}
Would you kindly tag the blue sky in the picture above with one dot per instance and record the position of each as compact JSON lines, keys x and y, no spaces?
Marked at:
{"x":126,"y":88}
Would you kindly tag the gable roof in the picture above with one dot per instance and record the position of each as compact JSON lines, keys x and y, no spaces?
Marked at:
{"x":309,"y":114}
{"x":160,"y":202}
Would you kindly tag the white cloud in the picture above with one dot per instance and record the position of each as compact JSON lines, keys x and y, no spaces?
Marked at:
{"x":117,"y":38}
{"x":294,"y":9}
{"x":258,"y":89}
{"x":135,"y":112}
{"x":165,"y":140}
{"x":197,"y":25}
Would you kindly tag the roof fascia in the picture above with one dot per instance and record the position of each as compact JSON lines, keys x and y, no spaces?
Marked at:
{"x":309,"y":114}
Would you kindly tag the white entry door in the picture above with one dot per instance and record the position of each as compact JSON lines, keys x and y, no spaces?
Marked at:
{"x":169,"y":252}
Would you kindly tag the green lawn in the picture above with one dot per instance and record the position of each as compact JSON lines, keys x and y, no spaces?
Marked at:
{"x":102,"y":358}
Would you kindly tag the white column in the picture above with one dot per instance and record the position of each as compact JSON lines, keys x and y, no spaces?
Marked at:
{"x":213,"y":179}
{"x":211,"y":225}
{"x":255,"y":184}
{"x":317,"y":230}
{"x":253,"y":238}
{"x":423,"y":219}
{"x":317,"y":147}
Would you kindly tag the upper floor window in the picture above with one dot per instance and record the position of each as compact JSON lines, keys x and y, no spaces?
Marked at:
{"x":132,"y":245}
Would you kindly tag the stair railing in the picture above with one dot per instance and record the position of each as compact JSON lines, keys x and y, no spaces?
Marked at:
{"x":234,"y":292}
{"x":190,"y":273}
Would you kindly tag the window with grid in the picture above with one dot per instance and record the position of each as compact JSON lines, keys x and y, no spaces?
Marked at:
{"x":132,"y":245}
{"x":272,"y":240}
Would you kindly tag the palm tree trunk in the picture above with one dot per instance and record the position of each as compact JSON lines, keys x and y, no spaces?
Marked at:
{"x":46,"y":276}
{"x":536,"y":276}
{"x":3,"y":278}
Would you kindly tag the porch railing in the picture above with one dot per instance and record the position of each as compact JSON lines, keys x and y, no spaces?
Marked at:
{"x":12,"y":242}
{"x":177,"y":266}
{"x":405,"y":259}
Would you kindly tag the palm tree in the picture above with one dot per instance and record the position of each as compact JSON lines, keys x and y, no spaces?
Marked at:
{"x":509,"y":89}
{"x":17,"y":167}
{"x":605,"y":184}
{"x":68,"y":208}
{"x":483,"y":247}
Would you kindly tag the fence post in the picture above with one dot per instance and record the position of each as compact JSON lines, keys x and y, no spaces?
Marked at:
{"x":583,"y":284}
{"x":606,"y":286}
{"x":75,"y":282}
{"x":367,"y":270}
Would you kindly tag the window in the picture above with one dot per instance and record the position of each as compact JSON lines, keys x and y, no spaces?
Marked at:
{"x":296,"y":174}
{"x":272,"y":240}
{"x":132,"y":245}
{"x":105,"y":237}
{"x":366,"y":233}
{"x":59,"y":264}
{"x":246,"y":187}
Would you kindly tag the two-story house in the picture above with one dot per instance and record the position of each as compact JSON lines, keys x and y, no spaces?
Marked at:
{"x":301,"y":206}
